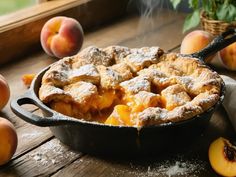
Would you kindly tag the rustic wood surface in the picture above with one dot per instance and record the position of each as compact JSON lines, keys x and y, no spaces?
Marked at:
{"x":39,"y":153}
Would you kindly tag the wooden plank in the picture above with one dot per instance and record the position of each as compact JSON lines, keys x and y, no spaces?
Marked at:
{"x":89,"y":166}
{"x":133,"y":33}
{"x":13,"y":73}
{"x":42,"y":161}
{"x":165,"y":36}
{"x":29,"y":137}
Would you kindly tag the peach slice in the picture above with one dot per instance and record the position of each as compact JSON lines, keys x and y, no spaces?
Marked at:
{"x":222,"y":157}
{"x":27,"y":79}
{"x":119,"y":116}
{"x":105,"y":100}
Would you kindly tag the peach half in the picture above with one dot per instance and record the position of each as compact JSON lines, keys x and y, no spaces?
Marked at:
{"x":8,"y":141}
{"x":61,"y":37}
{"x":222,"y":157}
{"x":195,"y":41}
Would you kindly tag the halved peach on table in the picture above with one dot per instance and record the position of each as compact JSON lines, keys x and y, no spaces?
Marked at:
{"x":222,"y":157}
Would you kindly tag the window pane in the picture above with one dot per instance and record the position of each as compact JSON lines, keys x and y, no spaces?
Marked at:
{"x":7,"y":6}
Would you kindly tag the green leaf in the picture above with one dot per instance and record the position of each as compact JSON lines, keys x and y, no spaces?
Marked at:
{"x":175,"y":3}
{"x":193,"y":4}
{"x":226,"y":12}
{"x":191,"y":20}
{"x":206,"y":5}
{"x":222,"y":12}
{"x":232,"y":13}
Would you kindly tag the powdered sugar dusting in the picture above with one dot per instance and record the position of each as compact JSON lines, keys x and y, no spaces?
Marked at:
{"x":136,"y":85}
{"x":143,"y":54}
{"x":88,"y":70}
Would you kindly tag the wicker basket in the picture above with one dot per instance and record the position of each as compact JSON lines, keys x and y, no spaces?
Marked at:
{"x":215,"y":27}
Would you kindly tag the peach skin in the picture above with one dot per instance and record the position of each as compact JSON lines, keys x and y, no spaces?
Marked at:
{"x":61,"y":37}
{"x":228,"y":57}
{"x":195,"y":41}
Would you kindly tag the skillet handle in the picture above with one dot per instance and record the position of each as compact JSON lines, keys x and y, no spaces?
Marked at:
{"x":54,"y":119}
{"x":217,"y":44}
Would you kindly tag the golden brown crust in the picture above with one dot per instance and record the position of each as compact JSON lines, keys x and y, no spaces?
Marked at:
{"x":49,"y":92}
{"x":112,"y":76}
{"x":174,"y":96}
{"x":143,"y":57}
{"x":93,"y":55}
{"x":161,"y":87}
{"x":87,"y":73}
{"x":136,"y":85}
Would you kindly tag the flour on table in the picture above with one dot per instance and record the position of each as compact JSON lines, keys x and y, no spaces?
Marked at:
{"x":168,"y":168}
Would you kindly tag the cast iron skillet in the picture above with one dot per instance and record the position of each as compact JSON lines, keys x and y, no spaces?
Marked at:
{"x":98,"y":138}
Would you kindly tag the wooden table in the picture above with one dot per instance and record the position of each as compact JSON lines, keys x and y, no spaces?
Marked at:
{"x":39,"y":153}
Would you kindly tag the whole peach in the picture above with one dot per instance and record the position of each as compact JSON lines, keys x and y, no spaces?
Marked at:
{"x":195,"y":41}
{"x":4,"y":92}
{"x":61,"y":36}
{"x":8,"y":140}
{"x":228,"y":56}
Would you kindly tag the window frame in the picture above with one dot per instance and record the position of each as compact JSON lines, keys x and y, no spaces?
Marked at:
{"x":20,"y":31}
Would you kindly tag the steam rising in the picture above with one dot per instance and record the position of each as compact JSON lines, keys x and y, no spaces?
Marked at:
{"x":147,"y":7}
{"x":147,"y":10}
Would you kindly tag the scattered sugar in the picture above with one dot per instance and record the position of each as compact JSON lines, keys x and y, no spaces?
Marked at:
{"x":38,"y":157}
{"x":177,"y":168}
{"x":32,"y":134}
{"x":168,"y":168}
{"x":51,"y":153}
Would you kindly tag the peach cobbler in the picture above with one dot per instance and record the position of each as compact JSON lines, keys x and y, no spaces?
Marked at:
{"x":130,"y":87}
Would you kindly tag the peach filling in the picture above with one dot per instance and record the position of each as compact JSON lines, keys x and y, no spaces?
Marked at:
{"x":120,"y":108}
{"x":108,"y":108}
